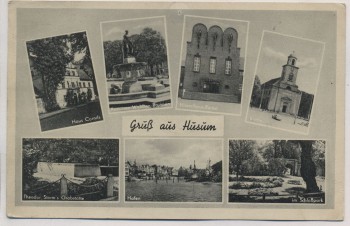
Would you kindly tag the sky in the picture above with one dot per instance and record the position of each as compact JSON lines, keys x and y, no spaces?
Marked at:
{"x":173,"y":152}
{"x":240,"y":26}
{"x":274,"y":52}
{"x":115,"y":30}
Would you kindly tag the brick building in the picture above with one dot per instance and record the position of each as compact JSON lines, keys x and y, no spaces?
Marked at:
{"x":282,"y":94}
{"x":213,"y":67}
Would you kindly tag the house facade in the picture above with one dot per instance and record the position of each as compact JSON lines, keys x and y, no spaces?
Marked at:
{"x":76,"y":87}
{"x":213,"y":67}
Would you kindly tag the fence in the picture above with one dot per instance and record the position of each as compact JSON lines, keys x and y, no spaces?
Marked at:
{"x":66,"y":189}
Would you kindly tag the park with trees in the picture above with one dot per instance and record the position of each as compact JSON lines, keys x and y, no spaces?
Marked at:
{"x":276,"y":170}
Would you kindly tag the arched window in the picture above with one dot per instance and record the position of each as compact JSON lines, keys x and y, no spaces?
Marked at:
{"x":293,"y":62}
{"x":288,"y":88}
{"x":84,"y":84}
{"x":73,"y":85}
{"x":67,"y":84}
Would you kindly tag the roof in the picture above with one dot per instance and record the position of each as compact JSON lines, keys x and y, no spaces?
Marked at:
{"x":82,"y":75}
{"x":283,"y":85}
{"x":271,"y":82}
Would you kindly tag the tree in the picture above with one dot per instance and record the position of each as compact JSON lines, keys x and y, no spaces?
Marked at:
{"x":113,"y":54}
{"x":239,"y":152}
{"x":49,"y":58}
{"x":150,"y":47}
{"x":318,"y":156}
{"x":256,"y":93}
{"x":308,"y":167}
{"x":305,"y":106}
{"x":79,"y":45}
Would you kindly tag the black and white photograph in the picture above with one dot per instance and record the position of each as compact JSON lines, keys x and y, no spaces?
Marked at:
{"x":285,"y":83}
{"x":173,"y":170}
{"x":277,"y":171}
{"x":64,"y":81}
{"x":70,"y":169}
{"x":136,"y":64}
{"x":212,"y":65}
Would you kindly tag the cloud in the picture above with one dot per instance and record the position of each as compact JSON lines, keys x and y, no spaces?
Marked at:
{"x":307,"y":62}
{"x":303,"y":62}
{"x":114,"y":32}
{"x":173,"y":152}
{"x":271,"y":53}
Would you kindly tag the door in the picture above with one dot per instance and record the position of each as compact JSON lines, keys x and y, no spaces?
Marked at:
{"x":284,"y":108}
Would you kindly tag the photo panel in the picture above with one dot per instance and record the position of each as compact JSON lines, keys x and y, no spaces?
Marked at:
{"x":70,"y":169}
{"x":136,"y":64}
{"x":64,"y":82}
{"x":212,"y":65}
{"x":285,"y":83}
{"x":277,"y":171}
{"x":173,"y":170}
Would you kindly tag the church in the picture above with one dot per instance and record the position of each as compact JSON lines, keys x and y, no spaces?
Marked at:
{"x":282,"y":94}
{"x":213,"y":67}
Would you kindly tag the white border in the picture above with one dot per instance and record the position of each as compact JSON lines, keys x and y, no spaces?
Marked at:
{"x":60,"y":202}
{"x":167,"y":202}
{"x":317,"y":82}
{"x":244,"y":71}
{"x":291,"y":205}
{"x":32,"y":82}
{"x":169,"y":72}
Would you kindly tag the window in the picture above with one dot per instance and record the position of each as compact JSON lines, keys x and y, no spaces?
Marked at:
{"x":196,"y":63}
{"x":212,"y":65}
{"x":73,"y":85}
{"x":80,"y":84}
{"x":89,"y":84}
{"x":67,"y":84}
{"x":73,"y":73}
{"x":290,"y":78}
{"x":77,"y":84}
{"x":84,"y":84}
{"x":195,"y":84}
{"x":293,"y":62}
{"x":228,"y":66}
{"x":63,"y":85}
{"x":227,"y":86}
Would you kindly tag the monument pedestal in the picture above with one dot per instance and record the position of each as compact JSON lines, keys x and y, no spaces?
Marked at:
{"x":128,"y":60}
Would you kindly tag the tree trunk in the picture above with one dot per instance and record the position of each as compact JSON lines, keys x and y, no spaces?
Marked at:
{"x":308,"y":168}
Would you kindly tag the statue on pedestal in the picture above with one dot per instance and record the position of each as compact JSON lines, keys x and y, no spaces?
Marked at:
{"x":128,"y":49}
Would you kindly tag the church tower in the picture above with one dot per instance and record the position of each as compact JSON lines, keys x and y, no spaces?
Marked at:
{"x":290,"y":71}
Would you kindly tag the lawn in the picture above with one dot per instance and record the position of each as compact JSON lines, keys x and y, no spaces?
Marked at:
{"x":256,"y":186}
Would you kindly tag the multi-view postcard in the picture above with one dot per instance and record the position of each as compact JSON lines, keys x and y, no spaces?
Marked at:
{"x":54,"y":171}
{"x":64,"y":82}
{"x":176,"y":111}
{"x":212,"y":65}
{"x":286,"y":81}
{"x":136,"y":64}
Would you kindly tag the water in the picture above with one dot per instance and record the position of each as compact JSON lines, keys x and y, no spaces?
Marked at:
{"x":173,"y":192}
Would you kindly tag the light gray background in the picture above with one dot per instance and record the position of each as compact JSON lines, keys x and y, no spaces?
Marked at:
{"x":234,"y":125}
